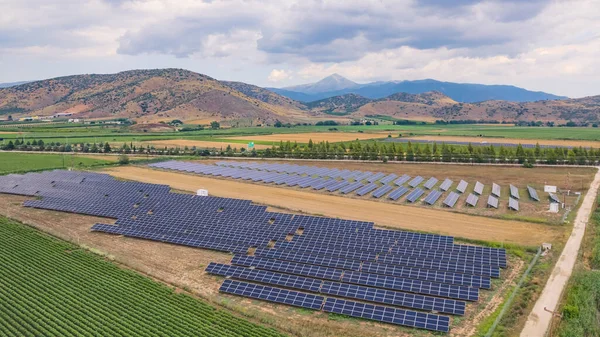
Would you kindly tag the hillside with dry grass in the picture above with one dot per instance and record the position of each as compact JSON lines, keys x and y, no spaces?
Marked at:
{"x":146,"y":96}
{"x":153,"y":96}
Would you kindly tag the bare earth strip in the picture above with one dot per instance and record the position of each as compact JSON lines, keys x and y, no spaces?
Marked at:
{"x":383,"y":214}
{"x":315,"y":136}
{"x":201,"y":144}
{"x":539,"y":319}
{"x":555,"y":142}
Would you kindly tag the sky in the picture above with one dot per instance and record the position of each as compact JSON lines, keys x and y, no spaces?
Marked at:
{"x":551,"y":46}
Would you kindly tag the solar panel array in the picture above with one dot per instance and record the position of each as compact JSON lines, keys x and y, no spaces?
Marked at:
{"x":335,"y":265}
{"x":533,"y":193}
{"x":333,"y":180}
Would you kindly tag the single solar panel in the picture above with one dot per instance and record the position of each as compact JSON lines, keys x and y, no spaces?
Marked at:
{"x":388,"y":314}
{"x":533,"y":193}
{"x":492,"y":201}
{"x":446,"y":185}
{"x":554,"y":198}
{"x":496,"y":190}
{"x":514,"y":192}
{"x":272,"y":294}
{"x":433,"y":197}
{"x":351,"y":188}
{"x":451,"y":199}
{"x":382,"y":191}
{"x":513,"y":204}
{"x":430,"y":183}
{"x":366,"y":189}
{"x":414,"y":195}
{"x":462,"y":186}
{"x":416,"y":181}
{"x":387,"y":179}
{"x":400,"y":181}
{"x":398,"y":193}
{"x":472,"y":200}
{"x":478,"y":188}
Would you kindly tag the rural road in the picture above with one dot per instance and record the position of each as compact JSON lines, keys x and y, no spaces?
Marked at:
{"x":539,"y":319}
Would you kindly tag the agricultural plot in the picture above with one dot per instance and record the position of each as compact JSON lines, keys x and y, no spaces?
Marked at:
{"x":53,"y":288}
{"x":462,"y":140}
{"x":22,"y":162}
{"x":197,"y":224}
{"x":314,"y":136}
{"x":181,"y":143}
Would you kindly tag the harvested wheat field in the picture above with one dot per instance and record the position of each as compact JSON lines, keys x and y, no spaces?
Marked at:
{"x":201,"y":144}
{"x":383,"y":214}
{"x":315,"y":136}
{"x":554,"y":142}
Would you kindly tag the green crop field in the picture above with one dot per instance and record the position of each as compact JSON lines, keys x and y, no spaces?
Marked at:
{"x":22,"y":162}
{"x":52,"y":288}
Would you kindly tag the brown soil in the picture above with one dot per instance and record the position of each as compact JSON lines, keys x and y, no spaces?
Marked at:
{"x":556,"y":142}
{"x":315,"y":136}
{"x":201,"y":144}
{"x":383,"y":214}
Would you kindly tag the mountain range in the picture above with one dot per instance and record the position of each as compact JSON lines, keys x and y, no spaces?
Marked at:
{"x":336,"y":85}
{"x":152,"y":96}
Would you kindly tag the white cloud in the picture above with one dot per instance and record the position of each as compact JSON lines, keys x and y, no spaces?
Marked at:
{"x":279,"y":75}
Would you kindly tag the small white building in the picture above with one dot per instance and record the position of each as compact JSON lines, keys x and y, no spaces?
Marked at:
{"x":202,"y":193}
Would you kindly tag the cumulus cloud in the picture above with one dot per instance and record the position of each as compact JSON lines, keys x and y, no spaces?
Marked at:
{"x":278,"y":75}
{"x":528,"y":43}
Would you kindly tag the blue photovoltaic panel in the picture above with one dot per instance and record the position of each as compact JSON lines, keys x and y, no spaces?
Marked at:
{"x":272,"y":294}
{"x":366,"y":189}
{"x":554,"y":198}
{"x":382,"y":191}
{"x":430,"y":183}
{"x":533,"y":193}
{"x":414,"y":195}
{"x":416,"y":181}
{"x":478,"y":188}
{"x":388,"y":179}
{"x":451,"y":199}
{"x":351,"y":188}
{"x":462,"y":186}
{"x":432,"y":197}
{"x":446,"y":185}
{"x":398,"y":193}
{"x":263,"y":276}
{"x":513,"y":204}
{"x":492,"y":201}
{"x":514,"y":192}
{"x":375,"y":177}
{"x":388,"y":315}
{"x":472,"y":200}
{"x":402,"y":180}
{"x":337,"y":186}
{"x":496,"y":190}
{"x":288,"y":267}
{"x":394,"y":298}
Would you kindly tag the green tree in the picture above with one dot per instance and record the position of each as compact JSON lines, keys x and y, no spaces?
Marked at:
{"x":107,"y":148}
{"x":123,"y":159}
{"x":215,"y":125}
{"x":520,"y":154}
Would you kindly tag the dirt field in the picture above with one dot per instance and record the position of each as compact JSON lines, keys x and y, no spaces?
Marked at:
{"x":383,"y":214}
{"x":315,"y":136}
{"x":201,"y":144}
{"x":184,"y":267}
{"x":555,"y":142}
{"x":574,"y":179}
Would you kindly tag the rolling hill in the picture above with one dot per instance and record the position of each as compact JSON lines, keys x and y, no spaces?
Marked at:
{"x":460,"y":92}
{"x":149,"y":96}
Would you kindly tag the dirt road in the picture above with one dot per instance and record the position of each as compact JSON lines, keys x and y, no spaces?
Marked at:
{"x":539,"y":319}
{"x":383,"y":214}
